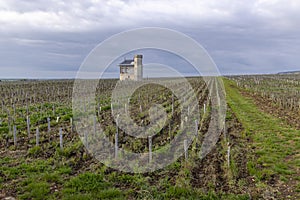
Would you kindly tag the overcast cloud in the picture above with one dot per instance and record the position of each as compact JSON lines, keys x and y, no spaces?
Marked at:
{"x":51,"y":38}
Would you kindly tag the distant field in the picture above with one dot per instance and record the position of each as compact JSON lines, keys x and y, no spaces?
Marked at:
{"x":257,"y":155}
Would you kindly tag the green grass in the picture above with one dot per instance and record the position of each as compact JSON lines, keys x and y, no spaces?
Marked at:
{"x":36,"y":190}
{"x":35,"y":151}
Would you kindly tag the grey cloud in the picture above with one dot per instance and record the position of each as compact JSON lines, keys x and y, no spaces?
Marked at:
{"x":242,"y":37}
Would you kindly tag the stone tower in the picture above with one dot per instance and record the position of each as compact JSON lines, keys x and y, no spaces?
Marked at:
{"x":138,"y":67}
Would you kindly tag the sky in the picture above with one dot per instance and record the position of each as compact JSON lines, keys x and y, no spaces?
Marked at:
{"x":51,"y":38}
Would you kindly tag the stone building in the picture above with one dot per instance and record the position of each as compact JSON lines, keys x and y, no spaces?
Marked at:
{"x":132,"y":69}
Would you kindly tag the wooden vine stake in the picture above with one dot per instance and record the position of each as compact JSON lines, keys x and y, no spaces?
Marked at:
{"x":37,"y":136}
{"x":117,"y":138}
{"x":185,"y":147}
{"x":15,"y":135}
{"x":225,"y":130}
{"x":71,"y":124}
{"x":94,"y":124}
{"x":61,"y":139}
{"x":48,"y":121}
{"x":28,"y":125}
{"x":228,"y":155}
{"x":150,"y":148}
{"x":116,"y":144}
{"x":196,"y":127}
{"x":53,"y":109}
{"x":86,"y":139}
{"x":126,"y":110}
{"x":170,"y":130}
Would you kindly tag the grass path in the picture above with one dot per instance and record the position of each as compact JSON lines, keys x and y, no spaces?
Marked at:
{"x":276,"y":146}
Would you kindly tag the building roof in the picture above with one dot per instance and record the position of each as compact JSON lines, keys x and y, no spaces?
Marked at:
{"x":127,"y":63}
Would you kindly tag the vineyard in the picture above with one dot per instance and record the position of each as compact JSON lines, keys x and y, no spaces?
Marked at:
{"x":46,"y":153}
{"x":281,"y":93}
